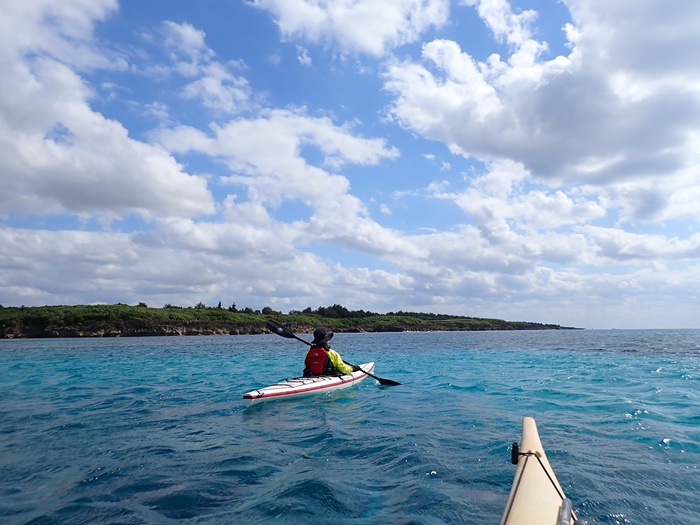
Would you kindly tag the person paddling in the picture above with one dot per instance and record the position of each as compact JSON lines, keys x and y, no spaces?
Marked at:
{"x":322,"y":360}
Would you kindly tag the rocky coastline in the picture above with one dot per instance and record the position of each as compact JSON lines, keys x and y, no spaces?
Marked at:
{"x":129,"y":328}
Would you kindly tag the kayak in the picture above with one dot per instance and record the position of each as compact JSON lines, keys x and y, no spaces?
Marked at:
{"x":536,"y":498}
{"x":302,"y":386}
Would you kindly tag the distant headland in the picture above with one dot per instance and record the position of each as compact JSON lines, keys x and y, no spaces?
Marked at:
{"x":121,"y":320}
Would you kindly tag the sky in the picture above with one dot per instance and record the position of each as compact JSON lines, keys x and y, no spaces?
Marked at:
{"x":533,"y":160}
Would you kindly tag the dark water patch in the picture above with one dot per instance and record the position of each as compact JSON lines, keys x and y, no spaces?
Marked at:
{"x":182,"y":504}
{"x":80,"y":513}
{"x":251,"y":476}
{"x":318,"y":494}
{"x":141,"y":487}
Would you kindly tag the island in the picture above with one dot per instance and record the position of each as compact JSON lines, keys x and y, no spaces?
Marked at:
{"x":122,"y":320}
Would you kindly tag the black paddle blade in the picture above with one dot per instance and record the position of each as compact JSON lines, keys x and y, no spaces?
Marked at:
{"x":278,"y":329}
{"x":382,"y":381}
{"x":387,"y":382}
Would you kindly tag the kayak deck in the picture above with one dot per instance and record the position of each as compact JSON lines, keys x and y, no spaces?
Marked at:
{"x":536,"y":497}
{"x":301,"y":386}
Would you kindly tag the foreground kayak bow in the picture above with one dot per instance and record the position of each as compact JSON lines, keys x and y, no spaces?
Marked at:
{"x":536,"y":497}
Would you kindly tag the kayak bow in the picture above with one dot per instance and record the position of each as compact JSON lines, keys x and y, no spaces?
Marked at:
{"x":536,"y":498}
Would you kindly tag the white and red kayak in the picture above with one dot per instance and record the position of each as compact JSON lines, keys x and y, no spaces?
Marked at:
{"x":301,"y":386}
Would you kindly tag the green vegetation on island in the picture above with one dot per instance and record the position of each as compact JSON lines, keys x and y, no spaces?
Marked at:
{"x":117,"y":320}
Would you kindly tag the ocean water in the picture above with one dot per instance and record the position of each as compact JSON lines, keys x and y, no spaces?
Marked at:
{"x":154,"y":430}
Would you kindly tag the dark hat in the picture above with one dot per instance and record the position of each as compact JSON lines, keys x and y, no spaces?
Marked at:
{"x":321,"y":336}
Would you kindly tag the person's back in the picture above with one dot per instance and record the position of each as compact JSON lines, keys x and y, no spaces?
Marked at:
{"x":317,"y":362}
{"x":321,"y":360}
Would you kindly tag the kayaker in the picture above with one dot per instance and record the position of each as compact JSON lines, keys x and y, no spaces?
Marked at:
{"x":322,"y":360}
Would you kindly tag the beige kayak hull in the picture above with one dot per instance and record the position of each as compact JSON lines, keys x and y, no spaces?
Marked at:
{"x":536,"y":496}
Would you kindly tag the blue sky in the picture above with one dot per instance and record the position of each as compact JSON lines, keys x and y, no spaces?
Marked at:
{"x":535,"y":161}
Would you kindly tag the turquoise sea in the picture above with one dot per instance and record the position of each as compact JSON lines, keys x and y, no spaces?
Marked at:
{"x":154,"y":430}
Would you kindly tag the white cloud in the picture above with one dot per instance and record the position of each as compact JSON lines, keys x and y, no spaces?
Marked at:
{"x":304,"y":57}
{"x":219,"y":90}
{"x":356,"y":26}
{"x":513,"y":28}
{"x":62,"y":32}
{"x":649,"y":43}
{"x":499,"y":202}
{"x":245,"y":145}
{"x":336,"y":216}
{"x":58,"y":155}
{"x":151,"y":269}
{"x":186,"y":41}
{"x":623,"y":246}
{"x":214,"y":84}
{"x":611,"y":117}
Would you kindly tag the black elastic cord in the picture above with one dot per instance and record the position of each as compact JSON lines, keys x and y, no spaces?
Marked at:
{"x":539,"y":460}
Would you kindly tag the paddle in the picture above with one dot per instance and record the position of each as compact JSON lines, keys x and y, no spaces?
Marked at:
{"x":278,"y":329}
